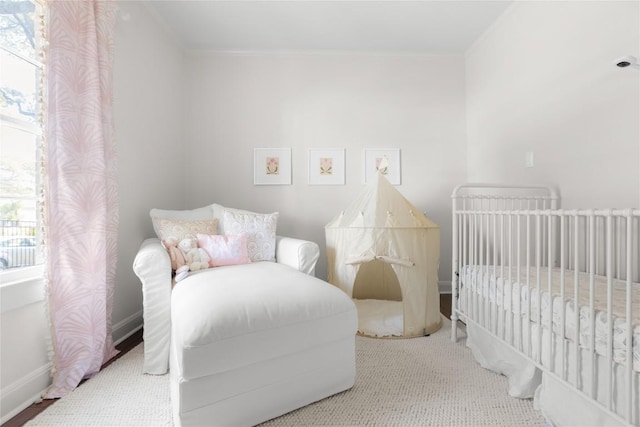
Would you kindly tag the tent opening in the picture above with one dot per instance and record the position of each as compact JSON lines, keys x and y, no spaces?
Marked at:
{"x":378,"y":297}
{"x":377,"y":280}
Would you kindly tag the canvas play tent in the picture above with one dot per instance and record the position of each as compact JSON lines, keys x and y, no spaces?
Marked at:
{"x":384,"y":253}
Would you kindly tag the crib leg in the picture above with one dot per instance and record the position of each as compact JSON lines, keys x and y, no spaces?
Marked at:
{"x":454,"y":328}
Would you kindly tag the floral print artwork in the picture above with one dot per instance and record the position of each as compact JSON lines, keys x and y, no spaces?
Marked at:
{"x":326,"y":166}
{"x":273,"y":165}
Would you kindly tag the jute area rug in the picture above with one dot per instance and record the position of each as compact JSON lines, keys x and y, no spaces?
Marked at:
{"x":428,"y":381}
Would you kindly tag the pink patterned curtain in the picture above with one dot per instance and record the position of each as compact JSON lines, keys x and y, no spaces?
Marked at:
{"x":80,"y":189}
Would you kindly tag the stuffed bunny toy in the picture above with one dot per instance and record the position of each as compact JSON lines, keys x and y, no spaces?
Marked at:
{"x":196,"y":258}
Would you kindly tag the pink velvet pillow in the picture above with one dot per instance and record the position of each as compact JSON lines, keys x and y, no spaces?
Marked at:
{"x":225,"y":250}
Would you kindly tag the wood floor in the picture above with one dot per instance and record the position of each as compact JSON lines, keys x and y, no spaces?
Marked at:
{"x":23,"y":417}
{"x":445,"y":305}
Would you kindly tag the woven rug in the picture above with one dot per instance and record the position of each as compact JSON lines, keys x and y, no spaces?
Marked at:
{"x":428,"y":381}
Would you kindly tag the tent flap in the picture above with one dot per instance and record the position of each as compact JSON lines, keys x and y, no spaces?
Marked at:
{"x":360,"y":260}
{"x":399,"y":261}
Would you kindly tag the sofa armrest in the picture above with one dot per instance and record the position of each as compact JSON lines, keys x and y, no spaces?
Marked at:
{"x":153,"y":267}
{"x":299,"y":254}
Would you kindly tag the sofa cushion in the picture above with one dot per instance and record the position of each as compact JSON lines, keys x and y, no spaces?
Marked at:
{"x":229,"y":317}
{"x":260,"y":229}
{"x":213,"y":210}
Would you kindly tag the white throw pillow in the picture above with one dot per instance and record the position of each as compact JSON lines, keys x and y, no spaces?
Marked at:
{"x":260,"y":230}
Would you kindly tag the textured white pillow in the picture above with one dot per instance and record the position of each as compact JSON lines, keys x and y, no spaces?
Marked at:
{"x":179,"y":229}
{"x":186,"y":223}
{"x":260,"y":230}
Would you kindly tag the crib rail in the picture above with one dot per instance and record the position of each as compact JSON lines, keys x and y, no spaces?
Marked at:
{"x":517,"y":238}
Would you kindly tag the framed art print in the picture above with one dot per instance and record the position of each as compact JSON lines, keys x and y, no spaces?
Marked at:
{"x":387,"y":161}
{"x":272,"y":166}
{"x":326,"y":166}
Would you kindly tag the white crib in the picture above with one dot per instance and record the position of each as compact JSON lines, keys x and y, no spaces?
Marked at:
{"x":551,"y":298}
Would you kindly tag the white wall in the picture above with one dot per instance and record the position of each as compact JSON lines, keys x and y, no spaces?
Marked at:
{"x":543,"y":79}
{"x":24,"y":362}
{"x":148,"y":118}
{"x":238,"y":102}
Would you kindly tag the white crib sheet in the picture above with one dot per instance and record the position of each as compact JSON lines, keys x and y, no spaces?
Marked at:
{"x":485,"y":284}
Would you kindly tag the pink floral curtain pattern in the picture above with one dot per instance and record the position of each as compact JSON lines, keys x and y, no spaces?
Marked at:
{"x":80,"y":189}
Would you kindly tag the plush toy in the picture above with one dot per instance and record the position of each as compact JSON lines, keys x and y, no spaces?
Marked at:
{"x":177,"y":256}
{"x":196,"y":258}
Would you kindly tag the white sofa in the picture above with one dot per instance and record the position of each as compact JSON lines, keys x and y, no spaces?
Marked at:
{"x":245,"y":343}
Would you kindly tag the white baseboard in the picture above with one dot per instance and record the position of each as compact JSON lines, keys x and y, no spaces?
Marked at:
{"x":27,"y":390}
{"x":126,"y":327}
{"x":21,"y":394}
{"x":444,"y":286}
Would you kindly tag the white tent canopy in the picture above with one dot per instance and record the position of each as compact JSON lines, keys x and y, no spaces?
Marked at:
{"x":384,"y":253}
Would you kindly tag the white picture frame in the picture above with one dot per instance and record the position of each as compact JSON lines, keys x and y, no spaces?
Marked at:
{"x":371,"y":158}
{"x":326,"y":166}
{"x":272,"y":166}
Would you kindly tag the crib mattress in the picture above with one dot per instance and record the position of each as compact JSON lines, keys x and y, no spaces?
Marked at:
{"x":482,"y":282}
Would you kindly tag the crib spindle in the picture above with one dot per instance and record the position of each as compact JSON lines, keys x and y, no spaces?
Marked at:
{"x":628,"y":313}
{"x":576,"y":295}
{"x":609,"y":269}
{"x":562,"y":296}
{"x":592,"y":311}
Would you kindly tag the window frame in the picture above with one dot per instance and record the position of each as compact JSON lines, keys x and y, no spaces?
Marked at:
{"x":25,"y":285}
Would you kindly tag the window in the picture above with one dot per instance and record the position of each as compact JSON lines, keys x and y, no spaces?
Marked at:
{"x":21,"y":36}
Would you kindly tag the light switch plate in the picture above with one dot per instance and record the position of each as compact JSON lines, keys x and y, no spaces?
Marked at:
{"x":528,"y":159}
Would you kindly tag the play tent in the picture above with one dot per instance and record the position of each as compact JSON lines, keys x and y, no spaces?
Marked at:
{"x":384,"y":253}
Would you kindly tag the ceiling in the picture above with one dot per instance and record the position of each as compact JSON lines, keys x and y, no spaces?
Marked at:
{"x":437,"y":27}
